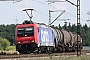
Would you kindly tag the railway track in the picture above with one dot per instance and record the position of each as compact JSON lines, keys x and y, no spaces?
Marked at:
{"x":42,"y":55}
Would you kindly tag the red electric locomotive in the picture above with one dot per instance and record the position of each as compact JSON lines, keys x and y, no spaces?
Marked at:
{"x":26,"y":37}
{"x":33,"y":37}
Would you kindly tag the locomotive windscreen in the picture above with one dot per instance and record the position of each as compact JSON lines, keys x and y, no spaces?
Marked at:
{"x":24,"y":32}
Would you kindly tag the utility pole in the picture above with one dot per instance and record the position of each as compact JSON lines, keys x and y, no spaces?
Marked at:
{"x":56,"y":17}
{"x":78,"y":25}
{"x":78,"y":20}
{"x":49,"y":17}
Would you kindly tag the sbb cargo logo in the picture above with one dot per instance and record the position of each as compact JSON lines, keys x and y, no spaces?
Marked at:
{"x":44,"y":36}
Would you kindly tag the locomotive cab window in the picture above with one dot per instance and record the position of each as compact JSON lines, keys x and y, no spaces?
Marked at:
{"x":29,"y":31}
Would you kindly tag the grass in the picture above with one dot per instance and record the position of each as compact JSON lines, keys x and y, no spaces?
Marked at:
{"x":11,"y":48}
{"x":83,"y":57}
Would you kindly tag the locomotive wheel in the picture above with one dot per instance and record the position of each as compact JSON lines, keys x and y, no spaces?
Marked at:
{"x":67,"y":49}
{"x":60,"y":49}
{"x":55,"y":50}
{"x":39,"y":50}
{"x":73,"y":49}
{"x":49,"y":50}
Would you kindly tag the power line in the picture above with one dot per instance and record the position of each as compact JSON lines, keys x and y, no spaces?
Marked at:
{"x":44,"y":13}
{"x":44,"y":3}
{"x":41,"y":13}
{"x":56,"y":8}
{"x":34,"y":10}
{"x":16,"y":4}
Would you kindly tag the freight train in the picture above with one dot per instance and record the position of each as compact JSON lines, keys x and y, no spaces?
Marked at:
{"x":41,"y":38}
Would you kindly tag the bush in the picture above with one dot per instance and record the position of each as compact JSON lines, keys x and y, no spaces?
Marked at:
{"x":4,"y":43}
{"x":1,"y":47}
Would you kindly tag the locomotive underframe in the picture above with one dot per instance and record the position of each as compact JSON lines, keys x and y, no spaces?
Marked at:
{"x":33,"y":48}
{"x":26,"y":48}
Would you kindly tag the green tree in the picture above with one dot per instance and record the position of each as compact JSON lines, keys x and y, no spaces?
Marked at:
{"x":69,"y":27}
{"x":85,"y":34}
{"x":88,"y":37}
{"x":1,"y":47}
{"x":74,"y":28}
{"x":59,"y":26}
{"x":1,"y":43}
{"x":85,"y":27}
{"x":8,"y":32}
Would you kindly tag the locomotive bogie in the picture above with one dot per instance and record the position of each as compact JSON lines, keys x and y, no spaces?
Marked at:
{"x":26,"y":48}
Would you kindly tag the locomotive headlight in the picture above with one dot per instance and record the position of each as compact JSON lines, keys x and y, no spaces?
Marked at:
{"x":31,"y":41}
{"x":19,"y":42}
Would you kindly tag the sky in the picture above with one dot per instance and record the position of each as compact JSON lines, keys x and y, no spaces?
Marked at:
{"x":11,"y":11}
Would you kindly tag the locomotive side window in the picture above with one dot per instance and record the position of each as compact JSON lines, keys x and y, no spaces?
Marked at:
{"x":29,"y":31}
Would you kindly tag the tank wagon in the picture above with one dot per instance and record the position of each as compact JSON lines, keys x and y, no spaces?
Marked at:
{"x":41,"y":38}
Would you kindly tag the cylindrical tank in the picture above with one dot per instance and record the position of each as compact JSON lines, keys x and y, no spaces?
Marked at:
{"x":75,"y":38}
{"x":58,"y":34}
{"x":58,"y":37}
{"x":79,"y":38}
{"x":66,"y":36}
{"x":72,"y":38}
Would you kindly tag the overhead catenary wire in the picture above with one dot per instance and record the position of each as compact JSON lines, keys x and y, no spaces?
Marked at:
{"x":16,"y":4}
{"x":42,"y":12}
{"x":53,"y":7}
{"x":34,"y":10}
{"x":56,"y":8}
{"x":46,"y":4}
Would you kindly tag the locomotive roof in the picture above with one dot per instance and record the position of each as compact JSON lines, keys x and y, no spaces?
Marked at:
{"x":43,"y":25}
